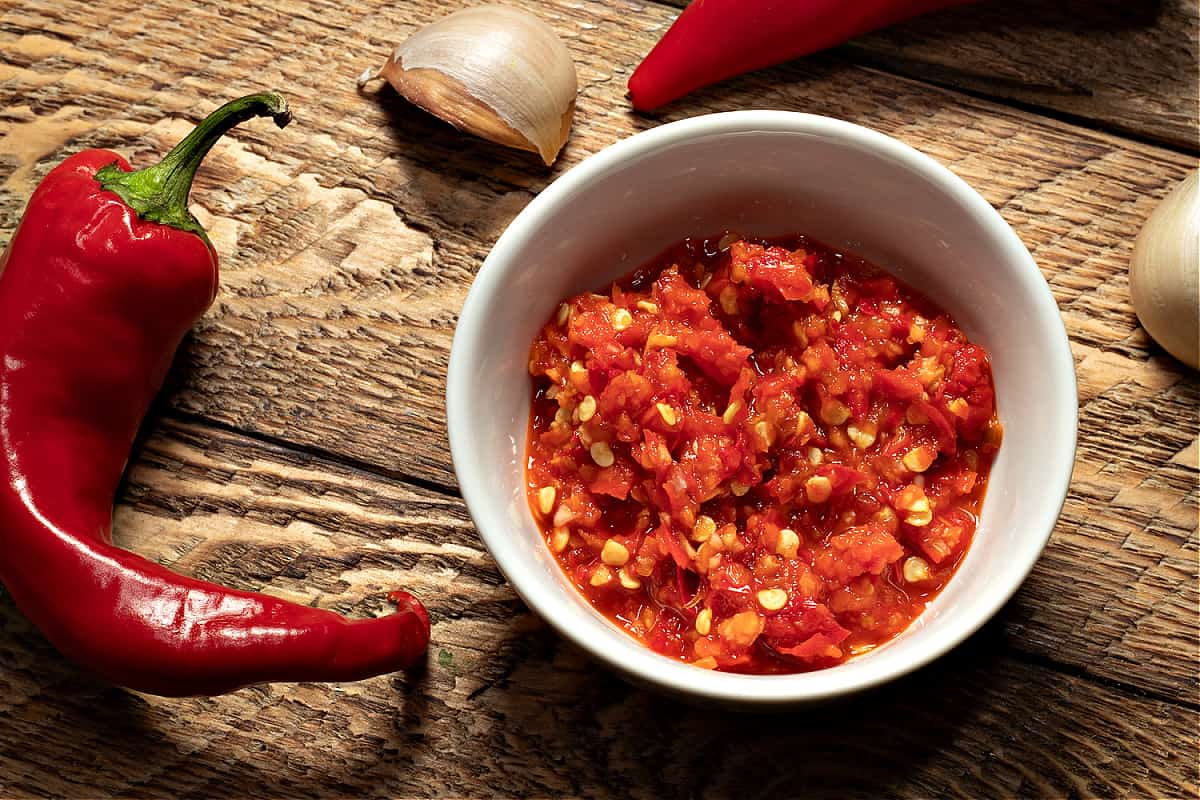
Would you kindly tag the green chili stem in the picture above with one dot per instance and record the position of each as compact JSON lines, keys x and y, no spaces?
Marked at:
{"x":160,"y":193}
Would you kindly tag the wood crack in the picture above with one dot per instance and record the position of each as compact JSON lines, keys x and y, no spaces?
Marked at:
{"x":1075,"y":671}
{"x":318,"y":453}
{"x":332,"y":457}
{"x":1128,"y":70}
{"x":883,"y":65}
{"x":302,"y":449}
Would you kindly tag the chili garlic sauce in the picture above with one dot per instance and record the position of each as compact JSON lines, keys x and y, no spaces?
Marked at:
{"x":758,"y":456}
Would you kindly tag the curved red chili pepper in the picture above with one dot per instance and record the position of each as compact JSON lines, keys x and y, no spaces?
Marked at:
{"x":716,"y":39}
{"x":104,"y":276}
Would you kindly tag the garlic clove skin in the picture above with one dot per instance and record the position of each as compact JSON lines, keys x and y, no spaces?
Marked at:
{"x":494,"y":71}
{"x":1164,"y":272}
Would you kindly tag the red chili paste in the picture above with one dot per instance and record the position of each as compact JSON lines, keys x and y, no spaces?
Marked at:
{"x":758,"y":456}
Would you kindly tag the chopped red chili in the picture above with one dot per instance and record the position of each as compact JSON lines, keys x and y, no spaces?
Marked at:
{"x":759,"y":456}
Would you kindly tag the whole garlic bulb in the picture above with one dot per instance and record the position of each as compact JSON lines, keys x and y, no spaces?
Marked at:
{"x":494,"y":71}
{"x":1164,"y":272}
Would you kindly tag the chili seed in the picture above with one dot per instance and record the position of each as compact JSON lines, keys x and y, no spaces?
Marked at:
{"x":729,"y":537}
{"x":614,"y":553}
{"x":818,"y":488}
{"x":919,"y":459}
{"x":602,"y":454}
{"x":704,"y":622}
{"x":545,"y":499}
{"x":667,"y":413}
{"x":913,"y":501}
{"x":916,"y":570}
{"x":863,"y":436}
{"x":765,"y":431}
{"x":664,"y":455}
{"x":562,"y":516}
{"x":772,"y":599}
{"x":587,"y":408}
{"x":601,"y":576}
{"x":919,"y":518}
{"x":559,"y":539}
{"x":704,"y":528}
{"x":930,"y":371}
{"x":788,"y":544}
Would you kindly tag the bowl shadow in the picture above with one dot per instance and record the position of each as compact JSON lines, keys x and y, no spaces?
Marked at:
{"x":604,"y":737}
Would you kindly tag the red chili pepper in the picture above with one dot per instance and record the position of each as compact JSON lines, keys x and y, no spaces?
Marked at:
{"x":102,"y":279}
{"x":716,"y":39}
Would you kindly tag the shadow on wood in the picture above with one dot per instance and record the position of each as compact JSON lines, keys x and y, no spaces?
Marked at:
{"x":426,"y":139}
{"x":612,"y":737}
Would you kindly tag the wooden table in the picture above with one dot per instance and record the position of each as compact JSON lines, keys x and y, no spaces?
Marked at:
{"x":301,"y":449}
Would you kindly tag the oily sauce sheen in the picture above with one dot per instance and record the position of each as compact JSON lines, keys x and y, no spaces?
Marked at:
{"x":758,"y":456}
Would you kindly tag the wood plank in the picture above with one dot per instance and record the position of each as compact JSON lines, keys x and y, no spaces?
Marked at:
{"x":1125,"y":67}
{"x":349,"y":241}
{"x":505,"y":708}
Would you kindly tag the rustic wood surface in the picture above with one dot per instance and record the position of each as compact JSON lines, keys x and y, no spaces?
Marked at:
{"x":1128,"y":67}
{"x":300,"y":446}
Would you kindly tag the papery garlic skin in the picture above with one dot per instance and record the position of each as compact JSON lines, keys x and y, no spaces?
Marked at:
{"x":494,"y":71}
{"x":1164,"y":272}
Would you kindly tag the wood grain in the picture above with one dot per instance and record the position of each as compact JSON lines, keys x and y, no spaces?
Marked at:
{"x":350,"y":239}
{"x":348,"y":243}
{"x":1125,"y":67}
{"x":505,"y":708}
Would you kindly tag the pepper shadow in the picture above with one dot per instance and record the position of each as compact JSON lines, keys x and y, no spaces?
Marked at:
{"x":101,"y":739}
{"x":1009,"y":51}
{"x":1083,"y":16}
{"x":160,"y":406}
{"x":66,"y":733}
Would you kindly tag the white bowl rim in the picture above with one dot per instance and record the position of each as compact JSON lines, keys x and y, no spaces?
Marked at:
{"x":638,"y":661}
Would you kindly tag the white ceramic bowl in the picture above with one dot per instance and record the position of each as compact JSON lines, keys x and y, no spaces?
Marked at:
{"x":767,"y":173}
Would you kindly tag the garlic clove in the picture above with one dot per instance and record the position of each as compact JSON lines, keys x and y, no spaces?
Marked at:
{"x":1164,"y":272}
{"x":494,"y":71}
